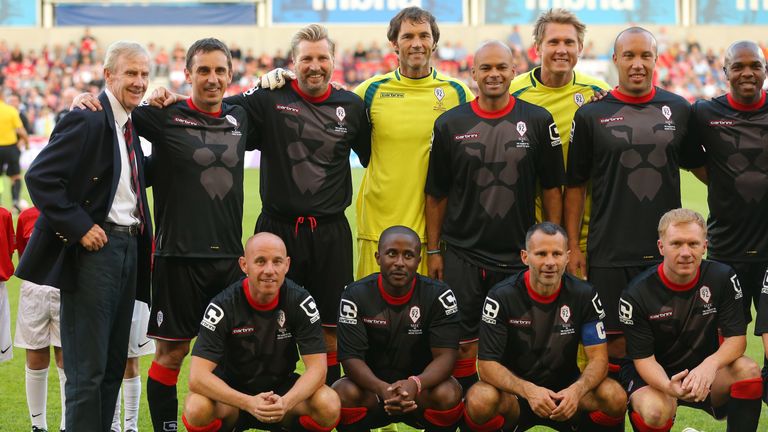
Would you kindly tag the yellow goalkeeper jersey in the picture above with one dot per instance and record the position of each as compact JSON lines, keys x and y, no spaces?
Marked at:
{"x":402,"y":112}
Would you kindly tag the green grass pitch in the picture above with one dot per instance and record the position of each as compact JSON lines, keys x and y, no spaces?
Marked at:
{"x":14,"y":416}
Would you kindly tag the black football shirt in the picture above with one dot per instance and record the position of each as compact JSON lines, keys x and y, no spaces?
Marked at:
{"x":254,"y":345}
{"x":629,"y":148}
{"x":394,"y":335}
{"x":488,"y":166}
{"x":305,"y":143}
{"x":196,"y":174}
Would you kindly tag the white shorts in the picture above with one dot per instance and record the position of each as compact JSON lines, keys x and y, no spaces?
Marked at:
{"x":6,"y":347}
{"x":37,"y":323}
{"x":139,"y":344}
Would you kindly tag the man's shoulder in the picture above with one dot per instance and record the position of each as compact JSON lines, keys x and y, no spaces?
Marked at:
{"x":345,"y":97}
{"x":583,"y":80}
{"x":521,"y":83}
{"x":508,"y":286}
{"x":647,"y":279}
{"x":363,"y":285}
{"x":373,"y":83}
{"x":667,"y":97}
{"x":454,"y":114}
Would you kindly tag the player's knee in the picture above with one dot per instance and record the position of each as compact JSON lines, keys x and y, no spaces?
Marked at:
{"x":445,"y":395}
{"x":349,"y":393}
{"x":745,"y":368}
{"x":198,"y":409}
{"x":655,"y":410}
{"x":481,"y":402}
{"x":611,"y":397}
{"x":325,"y":406}
{"x":171,"y":354}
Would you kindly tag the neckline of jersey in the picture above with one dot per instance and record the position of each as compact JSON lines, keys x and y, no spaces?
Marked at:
{"x":538,"y":298}
{"x":192,"y":105}
{"x":492,"y":114}
{"x":395,"y":301}
{"x":256,"y":305}
{"x":536,"y":80}
{"x":400,"y":77}
{"x":678,"y":287}
{"x":632,"y":99}
{"x":308,"y":98}
{"x":742,"y":107}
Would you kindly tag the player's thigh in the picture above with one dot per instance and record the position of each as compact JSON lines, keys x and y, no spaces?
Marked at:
{"x":201,"y":409}
{"x":34,"y":320}
{"x":443,"y":396}
{"x":465,"y":279}
{"x":330,"y":267}
{"x":608,"y":396}
{"x":743,"y":368}
{"x":352,"y":395}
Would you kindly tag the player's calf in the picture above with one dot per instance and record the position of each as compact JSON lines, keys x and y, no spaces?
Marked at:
{"x":745,"y":388}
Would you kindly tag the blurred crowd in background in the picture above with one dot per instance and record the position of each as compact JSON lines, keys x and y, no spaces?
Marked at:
{"x":41,"y":83}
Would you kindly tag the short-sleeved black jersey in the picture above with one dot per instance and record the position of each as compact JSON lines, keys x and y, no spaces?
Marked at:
{"x":305,"y":144}
{"x":537,"y":337}
{"x":196,"y":174}
{"x":732,"y":141}
{"x":629,"y":149}
{"x":394,"y":335}
{"x":678,"y":324}
{"x":254,"y":345}
{"x":488,"y":165}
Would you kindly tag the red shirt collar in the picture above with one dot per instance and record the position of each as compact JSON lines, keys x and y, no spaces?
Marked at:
{"x":308,"y":98}
{"x":192,"y":105}
{"x":492,"y":114}
{"x":536,"y":296}
{"x":632,"y":99}
{"x":751,"y":107}
{"x":256,"y":305}
{"x":678,"y":287}
{"x":395,"y":301}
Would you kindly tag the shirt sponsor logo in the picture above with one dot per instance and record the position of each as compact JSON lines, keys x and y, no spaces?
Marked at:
{"x":490,"y":311}
{"x":520,"y":322}
{"x":185,"y":121}
{"x":243,"y":330}
{"x":737,"y":286}
{"x":554,"y":135}
{"x":625,"y":312}
{"x":280,"y":107}
{"x":213,"y":314}
{"x":579,"y":99}
{"x":718,"y":123}
{"x":448,"y":300}
{"x":598,"y":305}
{"x":310,"y":308}
{"x":661,"y":315}
{"x":347,"y":312}
{"x":392,"y":95}
{"x":611,"y":119}
{"x":466,"y":136}
{"x":378,"y":322}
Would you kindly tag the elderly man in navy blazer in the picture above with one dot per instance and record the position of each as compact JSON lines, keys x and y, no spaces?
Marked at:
{"x":93,"y":237}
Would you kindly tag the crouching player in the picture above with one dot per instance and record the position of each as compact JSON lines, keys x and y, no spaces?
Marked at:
{"x":673,"y":316}
{"x":531,"y":327}
{"x":398,"y":339}
{"x":242,"y":371}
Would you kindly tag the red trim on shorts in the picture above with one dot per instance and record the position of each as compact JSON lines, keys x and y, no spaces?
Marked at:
{"x":678,"y":287}
{"x":332,"y":358}
{"x":192,"y":105}
{"x":163,"y":375}
{"x":637,"y":420}
{"x":536,"y":296}
{"x":310,"y":424}
{"x":614,"y":368}
{"x":492,"y":114}
{"x":465,"y":367}
{"x":352,"y":415}
{"x":308,"y":98}
{"x":491,"y":425}
{"x":466,"y":341}
{"x":444,"y":418}
{"x":395,"y":301}
{"x":633,"y":99}
{"x":154,"y":336}
{"x":256,"y":305}
{"x":750,"y":107}
{"x":213,"y":426}
{"x":603,"y":419}
{"x":747,"y":389}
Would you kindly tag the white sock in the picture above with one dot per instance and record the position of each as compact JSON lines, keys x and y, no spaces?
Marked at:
{"x":37,"y":393}
{"x":62,"y":383}
{"x":131,"y":396}
{"x":116,"y":416}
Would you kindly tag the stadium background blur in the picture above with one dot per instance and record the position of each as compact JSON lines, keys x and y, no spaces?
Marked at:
{"x":51,"y":50}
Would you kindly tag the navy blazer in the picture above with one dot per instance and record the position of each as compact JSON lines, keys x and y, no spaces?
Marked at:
{"x":73,"y":183}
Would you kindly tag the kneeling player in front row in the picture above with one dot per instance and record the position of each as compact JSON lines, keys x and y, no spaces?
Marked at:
{"x":531,"y":327}
{"x":672,"y":315}
{"x":242,"y":372}
{"x":398,"y":337}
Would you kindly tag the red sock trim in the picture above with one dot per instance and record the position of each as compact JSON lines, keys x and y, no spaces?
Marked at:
{"x":353,"y":415}
{"x":310,"y":424}
{"x":163,"y":375}
{"x":747,"y":389}
{"x":332,"y":358}
{"x":613,"y":367}
{"x":493,"y":424}
{"x":603,"y":419}
{"x":637,"y":420}
{"x":213,"y":426}
{"x":465,"y":367}
{"x":444,"y":418}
